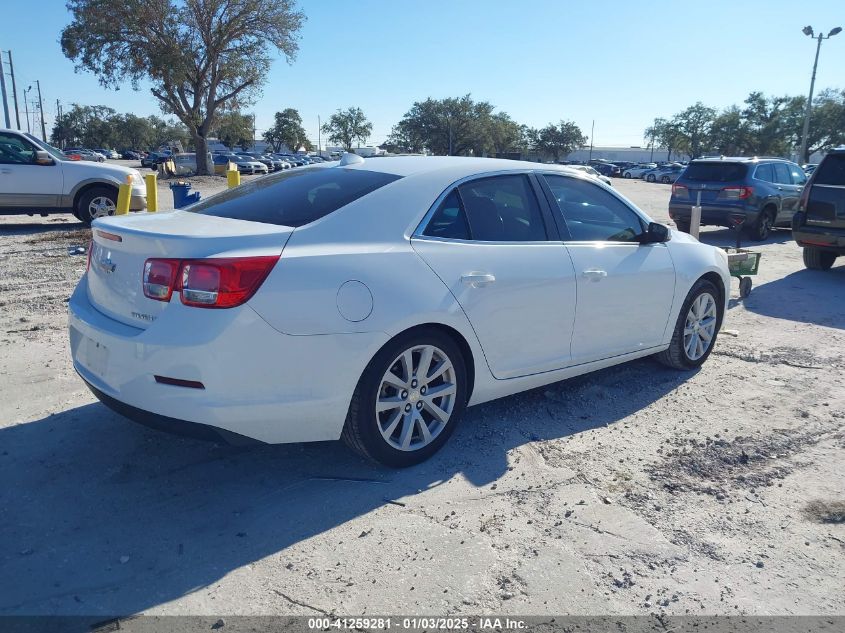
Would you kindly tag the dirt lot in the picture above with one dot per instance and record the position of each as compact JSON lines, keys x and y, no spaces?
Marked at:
{"x":635,"y":490}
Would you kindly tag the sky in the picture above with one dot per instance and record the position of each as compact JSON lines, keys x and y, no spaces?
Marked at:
{"x":618,"y":63}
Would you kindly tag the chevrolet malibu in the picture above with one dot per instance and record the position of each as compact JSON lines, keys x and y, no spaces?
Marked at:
{"x":373,"y":300}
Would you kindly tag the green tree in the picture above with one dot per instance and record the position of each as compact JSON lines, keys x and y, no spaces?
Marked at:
{"x":454,"y":126}
{"x":347,"y":126}
{"x":287,"y":130}
{"x":198,"y":55}
{"x":827,"y":122}
{"x":690,"y":129}
{"x":505,"y":133}
{"x":729,"y":134}
{"x":86,"y":126}
{"x":560,"y":140}
{"x":769,"y":120}
{"x":234,"y":129}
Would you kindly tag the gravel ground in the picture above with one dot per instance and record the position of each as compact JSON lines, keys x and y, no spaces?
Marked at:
{"x":634,"y":490}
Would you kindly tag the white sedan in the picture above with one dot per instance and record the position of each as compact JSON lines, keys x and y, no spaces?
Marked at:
{"x":373,"y":300}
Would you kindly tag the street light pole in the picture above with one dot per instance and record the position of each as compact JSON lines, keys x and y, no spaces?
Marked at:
{"x":41,"y":111}
{"x":3,"y":92}
{"x":808,"y":30}
{"x":26,"y":108}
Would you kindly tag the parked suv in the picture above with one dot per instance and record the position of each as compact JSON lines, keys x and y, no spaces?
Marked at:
{"x":38,"y":178}
{"x":765,"y":190}
{"x":819,"y":225}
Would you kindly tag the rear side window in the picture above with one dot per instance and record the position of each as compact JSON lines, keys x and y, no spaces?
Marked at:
{"x":831,"y":171}
{"x":503,"y":209}
{"x":294,"y":198}
{"x":715,"y":172}
{"x":765,"y":172}
{"x":449,"y":221}
{"x":782,"y":174}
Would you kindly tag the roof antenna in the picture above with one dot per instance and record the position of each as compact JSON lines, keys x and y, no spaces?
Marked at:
{"x":349,"y":158}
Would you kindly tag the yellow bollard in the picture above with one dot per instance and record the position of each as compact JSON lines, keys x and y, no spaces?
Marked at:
{"x":233,"y":176}
{"x":124,"y":192}
{"x":152,"y":192}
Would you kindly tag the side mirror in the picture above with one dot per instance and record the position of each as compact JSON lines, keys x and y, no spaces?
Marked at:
{"x":655,"y":234}
{"x":43,"y":158}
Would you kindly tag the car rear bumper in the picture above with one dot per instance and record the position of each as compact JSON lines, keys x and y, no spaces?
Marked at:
{"x":825,"y":238}
{"x":255,"y":381}
{"x":711,"y":214}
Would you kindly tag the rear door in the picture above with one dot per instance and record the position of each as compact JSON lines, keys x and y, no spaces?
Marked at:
{"x":790,"y":193}
{"x":487,"y":239}
{"x":625,"y":289}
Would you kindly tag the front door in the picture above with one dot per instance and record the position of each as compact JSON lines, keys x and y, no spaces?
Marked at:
{"x":23,"y":183}
{"x":487,"y":241}
{"x":625,"y":289}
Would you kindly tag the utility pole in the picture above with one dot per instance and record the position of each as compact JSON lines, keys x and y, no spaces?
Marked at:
{"x":808,"y":31}
{"x":319,"y":143}
{"x":41,"y":110}
{"x":14,"y":89}
{"x":3,"y":90}
{"x":58,"y":119}
{"x":26,"y":108}
{"x":592,"y":132}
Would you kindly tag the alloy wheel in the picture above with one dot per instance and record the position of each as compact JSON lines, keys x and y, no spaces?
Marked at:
{"x":101,"y":207}
{"x":700,"y":326}
{"x":416,"y":397}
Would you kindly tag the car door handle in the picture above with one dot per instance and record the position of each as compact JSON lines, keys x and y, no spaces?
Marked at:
{"x":478,"y":280}
{"x":594,"y":274}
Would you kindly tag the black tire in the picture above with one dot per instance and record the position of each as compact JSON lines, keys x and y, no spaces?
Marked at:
{"x":762,"y":228}
{"x":626,"y":175}
{"x":817,"y":259}
{"x":650,"y":178}
{"x":665,"y":180}
{"x":361,"y":432}
{"x":682,"y":225}
{"x":675,"y":356}
{"x":83,"y":203}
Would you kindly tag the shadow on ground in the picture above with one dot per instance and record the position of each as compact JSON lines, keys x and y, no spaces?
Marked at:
{"x":722,"y":238}
{"x":59,"y":222}
{"x":105,"y":517}
{"x":806,"y":296}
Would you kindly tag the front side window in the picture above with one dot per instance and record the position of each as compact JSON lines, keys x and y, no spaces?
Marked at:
{"x":502,"y":209}
{"x":15,"y":151}
{"x":294,"y":198}
{"x":591,"y":213}
{"x":797,"y":174}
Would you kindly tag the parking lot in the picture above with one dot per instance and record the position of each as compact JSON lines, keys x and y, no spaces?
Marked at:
{"x":634,"y":490}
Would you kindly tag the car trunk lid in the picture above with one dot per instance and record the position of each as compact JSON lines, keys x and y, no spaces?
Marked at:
{"x":709,"y":178}
{"x":121,"y":246}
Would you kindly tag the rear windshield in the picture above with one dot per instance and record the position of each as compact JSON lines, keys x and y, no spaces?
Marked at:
{"x":295,"y":197}
{"x":715,"y":172}
{"x":831,"y":171}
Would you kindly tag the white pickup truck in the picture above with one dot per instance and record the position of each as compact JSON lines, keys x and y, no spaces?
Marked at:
{"x":36,"y":178}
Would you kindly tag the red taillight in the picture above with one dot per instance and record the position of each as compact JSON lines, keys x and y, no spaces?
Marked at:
{"x":207,"y":283}
{"x":680,"y":191}
{"x":160,"y":277}
{"x":736,"y":193}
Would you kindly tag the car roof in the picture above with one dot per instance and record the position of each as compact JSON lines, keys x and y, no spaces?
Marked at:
{"x":739,"y":159}
{"x":456,"y":166}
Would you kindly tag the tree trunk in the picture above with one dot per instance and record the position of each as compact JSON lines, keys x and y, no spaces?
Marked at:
{"x":203,"y":166}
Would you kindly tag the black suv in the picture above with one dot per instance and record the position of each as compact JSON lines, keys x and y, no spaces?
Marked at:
{"x":764,"y":190}
{"x":819,"y":225}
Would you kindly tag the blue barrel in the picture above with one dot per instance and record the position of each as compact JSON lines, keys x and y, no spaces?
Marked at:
{"x":181,"y":198}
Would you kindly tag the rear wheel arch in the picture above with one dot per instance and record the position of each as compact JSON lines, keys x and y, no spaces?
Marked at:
{"x":457,"y":338}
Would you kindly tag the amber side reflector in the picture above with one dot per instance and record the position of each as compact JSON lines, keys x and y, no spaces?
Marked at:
{"x":109,"y":236}
{"x":179,"y":382}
